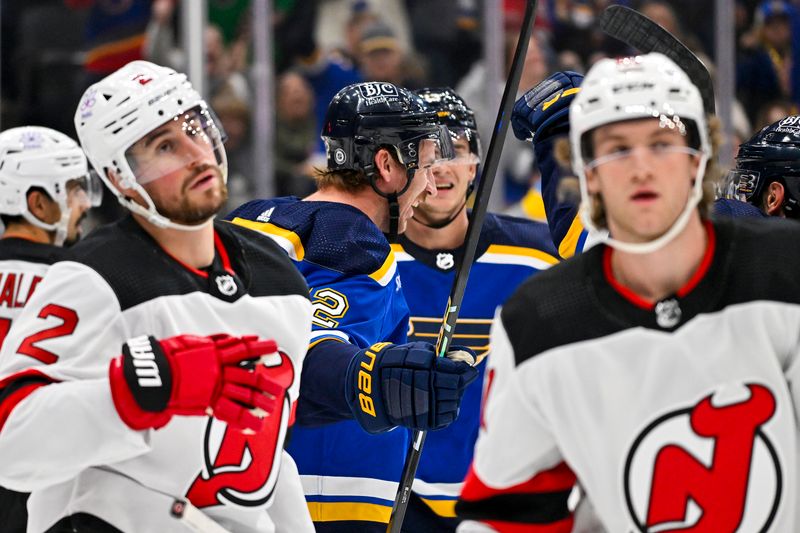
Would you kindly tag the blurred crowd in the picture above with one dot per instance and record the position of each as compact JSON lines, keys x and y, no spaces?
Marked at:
{"x":52,"y":49}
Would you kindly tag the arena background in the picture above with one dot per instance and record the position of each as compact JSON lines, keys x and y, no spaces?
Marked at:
{"x":270,"y":67}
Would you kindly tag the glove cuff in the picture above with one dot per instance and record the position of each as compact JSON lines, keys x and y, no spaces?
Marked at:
{"x":127,"y":406}
{"x":147,"y":373}
{"x":363,"y":389}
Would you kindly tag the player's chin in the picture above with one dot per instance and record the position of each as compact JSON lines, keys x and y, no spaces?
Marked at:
{"x":198,"y":210}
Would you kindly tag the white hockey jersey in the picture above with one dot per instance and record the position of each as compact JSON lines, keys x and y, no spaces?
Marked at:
{"x":60,"y":435}
{"x":678,"y":416}
{"x":23,"y":264}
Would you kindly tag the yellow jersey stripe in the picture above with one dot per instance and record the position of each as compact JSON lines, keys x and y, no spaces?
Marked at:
{"x":521,"y":251}
{"x":445,"y":508}
{"x":288,"y":240}
{"x":569,"y":243}
{"x":337,"y":511}
{"x":384,"y":274}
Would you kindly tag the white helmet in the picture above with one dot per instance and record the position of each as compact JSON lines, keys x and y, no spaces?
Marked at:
{"x":615,"y":90}
{"x":33,"y":156}
{"x":123,"y":108}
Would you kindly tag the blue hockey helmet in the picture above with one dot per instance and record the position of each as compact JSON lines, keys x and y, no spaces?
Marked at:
{"x":772,"y":154}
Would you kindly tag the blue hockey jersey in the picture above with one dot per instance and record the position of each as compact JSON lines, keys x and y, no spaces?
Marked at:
{"x":348,"y":475}
{"x":509,"y":251}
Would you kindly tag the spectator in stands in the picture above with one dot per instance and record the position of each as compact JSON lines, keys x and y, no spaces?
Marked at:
{"x":381,"y":58}
{"x":296,"y":136}
{"x":765,"y":73}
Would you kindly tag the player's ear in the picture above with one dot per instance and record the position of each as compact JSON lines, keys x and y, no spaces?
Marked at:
{"x":775,"y":196}
{"x":43,"y":207}
{"x":383,"y":165}
{"x":591,"y":181}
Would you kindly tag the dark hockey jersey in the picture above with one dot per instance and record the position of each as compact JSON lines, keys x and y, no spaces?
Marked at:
{"x":681,"y":415}
{"x":350,"y":477}
{"x":60,"y":434}
{"x":509,"y":251}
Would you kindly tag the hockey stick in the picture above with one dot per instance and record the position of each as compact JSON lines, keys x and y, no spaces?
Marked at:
{"x":638,"y":31}
{"x":471,"y":243}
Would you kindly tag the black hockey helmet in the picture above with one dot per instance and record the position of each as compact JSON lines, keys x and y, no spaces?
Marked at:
{"x":454,"y":113}
{"x":364,"y":117}
{"x":772,"y":154}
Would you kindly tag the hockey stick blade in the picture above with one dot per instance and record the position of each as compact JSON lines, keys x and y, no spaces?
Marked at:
{"x":638,"y":31}
{"x":470,"y":245}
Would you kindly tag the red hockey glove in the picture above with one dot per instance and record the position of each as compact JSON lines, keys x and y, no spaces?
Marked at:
{"x":194,"y":376}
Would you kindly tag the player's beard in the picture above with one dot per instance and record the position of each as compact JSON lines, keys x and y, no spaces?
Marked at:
{"x":192,"y":211}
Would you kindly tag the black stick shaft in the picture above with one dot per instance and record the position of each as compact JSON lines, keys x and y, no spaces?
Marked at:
{"x":471,"y":243}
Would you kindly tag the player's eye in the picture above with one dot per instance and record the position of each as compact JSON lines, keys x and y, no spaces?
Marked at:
{"x":166,"y":146}
{"x":660,"y":146}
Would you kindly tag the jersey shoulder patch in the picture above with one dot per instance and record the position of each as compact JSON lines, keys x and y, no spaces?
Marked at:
{"x":329,"y":234}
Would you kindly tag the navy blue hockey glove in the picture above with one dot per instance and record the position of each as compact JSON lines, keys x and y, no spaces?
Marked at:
{"x":544,"y":110}
{"x":392,"y":385}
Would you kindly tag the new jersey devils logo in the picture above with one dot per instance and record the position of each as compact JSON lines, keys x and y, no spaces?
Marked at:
{"x":706,"y":469}
{"x":239,"y":468}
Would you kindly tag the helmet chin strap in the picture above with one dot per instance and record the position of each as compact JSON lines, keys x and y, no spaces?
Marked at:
{"x":151,"y":212}
{"x":59,"y":228}
{"x":394,"y":217}
{"x":394,"y":204}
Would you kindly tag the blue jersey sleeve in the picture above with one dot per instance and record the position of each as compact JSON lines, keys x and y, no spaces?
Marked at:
{"x":566,"y":229}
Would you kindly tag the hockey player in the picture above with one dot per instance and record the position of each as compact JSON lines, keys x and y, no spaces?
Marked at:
{"x":767,"y":172}
{"x":509,"y":250}
{"x":667,"y":383}
{"x":161,"y":360}
{"x":541,"y":116}
{"x":360,"y":378}
{"x":46,"y":190}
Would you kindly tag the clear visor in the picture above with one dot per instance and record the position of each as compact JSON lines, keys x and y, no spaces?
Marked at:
{"x":739,"y":184}
{"x":86,"y":190}
{"x":427,"y":150}
{"x":626,"y":157}
{"x":463,"y":140}
{"x":189,"y":139}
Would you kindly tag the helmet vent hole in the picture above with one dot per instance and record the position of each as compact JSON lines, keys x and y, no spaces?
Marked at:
{"x":180,"y":102}
{"x":107,"y":96}
{"x":160,"y":112}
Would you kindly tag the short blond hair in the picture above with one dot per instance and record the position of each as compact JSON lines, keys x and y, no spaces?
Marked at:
{"x":711,"y":176}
